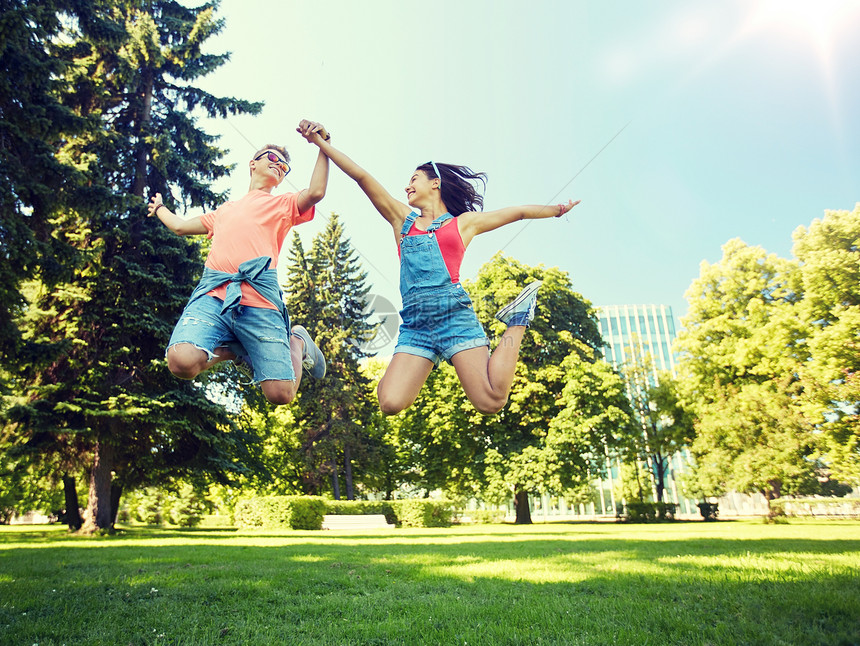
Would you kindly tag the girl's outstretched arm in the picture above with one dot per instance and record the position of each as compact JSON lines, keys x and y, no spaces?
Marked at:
{"x":392,"y":210}
{"x":473,"y":223}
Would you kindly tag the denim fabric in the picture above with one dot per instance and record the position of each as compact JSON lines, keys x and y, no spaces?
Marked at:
{"x":255,"y":272}
{"x":262,"y":332}
{"x":438,"y":319}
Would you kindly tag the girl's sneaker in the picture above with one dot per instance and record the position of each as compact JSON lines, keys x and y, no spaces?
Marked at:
{"x":521,"y":310}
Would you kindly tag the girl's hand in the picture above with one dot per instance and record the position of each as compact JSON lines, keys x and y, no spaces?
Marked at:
{"x":308,"y":129}
{"x":564,"y":208}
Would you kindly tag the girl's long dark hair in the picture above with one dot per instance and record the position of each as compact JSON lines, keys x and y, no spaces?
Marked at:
{"x":458,"y":191}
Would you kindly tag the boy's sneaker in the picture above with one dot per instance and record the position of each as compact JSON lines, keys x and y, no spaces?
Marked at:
{"x":312,"y":360}
{"x":242,"y":363}
{"x":521,"y":310}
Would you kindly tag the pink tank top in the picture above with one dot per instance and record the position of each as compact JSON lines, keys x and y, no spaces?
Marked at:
{"x":450,"y":244}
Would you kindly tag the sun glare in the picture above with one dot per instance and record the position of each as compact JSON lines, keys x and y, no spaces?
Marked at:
{"x":819,"y":23}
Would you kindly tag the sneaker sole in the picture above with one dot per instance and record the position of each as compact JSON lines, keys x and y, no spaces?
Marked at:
{"x":524,"y":295}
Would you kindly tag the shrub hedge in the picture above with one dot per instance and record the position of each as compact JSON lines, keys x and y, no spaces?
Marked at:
{"x":480,"y":516}
{"x":648,"y":512}
{"x":816,"y":506}
{"x":271,"y":512}
{"x":306,"y":512}
{"x":421,"y":512}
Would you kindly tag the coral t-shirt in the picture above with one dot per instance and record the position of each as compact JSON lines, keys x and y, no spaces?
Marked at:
{"x":253,"y":226}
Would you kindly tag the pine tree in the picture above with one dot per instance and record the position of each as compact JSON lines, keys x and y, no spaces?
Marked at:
{"x":326,"y":292}
{"x":106,"y":393}
{"x":34,"y":183}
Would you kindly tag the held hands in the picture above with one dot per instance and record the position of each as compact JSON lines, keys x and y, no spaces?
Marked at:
{"x":154,"y":203}
{"x":311,"y":129}
{"x":564,"y":208}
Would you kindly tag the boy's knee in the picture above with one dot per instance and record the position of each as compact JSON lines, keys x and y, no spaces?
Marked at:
{"x":279,"y":392}
{"x":185,"y":363}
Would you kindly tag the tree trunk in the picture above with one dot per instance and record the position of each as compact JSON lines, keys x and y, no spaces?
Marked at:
{"x":145,"y":118}
{"x":772,"y":493}
{"x":335,"y":482}
{"x":99,"y":515}
{"x":524,"y":513}
{"x":637,"y":466}
{"x":115,"y":495}
{"x":389,"y":485}
{"x":72,"y":516}
{"x":660,"y":475}
{"x":347,"y":460}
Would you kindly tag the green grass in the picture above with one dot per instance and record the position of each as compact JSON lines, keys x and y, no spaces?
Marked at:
{"x":558,"y":583}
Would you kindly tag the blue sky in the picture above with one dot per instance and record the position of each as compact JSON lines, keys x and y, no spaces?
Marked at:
{"x":723,"y":120}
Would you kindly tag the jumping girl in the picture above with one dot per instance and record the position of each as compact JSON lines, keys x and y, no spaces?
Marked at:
{"x":432,"y":231}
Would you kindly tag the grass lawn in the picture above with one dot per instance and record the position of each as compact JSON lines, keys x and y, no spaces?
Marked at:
{"x":690,"y":583}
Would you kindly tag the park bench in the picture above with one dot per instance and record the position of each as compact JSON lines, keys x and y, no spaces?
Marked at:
{"x":355,"y":521}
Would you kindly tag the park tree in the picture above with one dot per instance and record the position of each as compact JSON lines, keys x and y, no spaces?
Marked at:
{"x":739,"y":327}
{"x":35,"y":183}
{"x":663,"y":424}
{"x":742,"y":348}
{"x":565,"y":404}
{"x":394,"y":466}
{"x":756,"y":439}
{"x":106,"y":386}
{"x":566,"y":325}
{"x":829,"y":256}
{"x":326,"y":292}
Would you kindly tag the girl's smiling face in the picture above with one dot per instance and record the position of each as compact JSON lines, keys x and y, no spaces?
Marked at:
{"x":420,"y":188}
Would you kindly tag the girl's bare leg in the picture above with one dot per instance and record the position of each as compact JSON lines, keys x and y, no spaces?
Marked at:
{"x":402,"y":382}
{"x":487,"y":379}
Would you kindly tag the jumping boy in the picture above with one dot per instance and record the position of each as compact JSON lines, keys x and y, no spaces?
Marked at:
{"x":237,"y":311}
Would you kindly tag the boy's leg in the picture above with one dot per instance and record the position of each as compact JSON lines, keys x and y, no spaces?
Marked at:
{"x":275,"y":355}
{"x":283,"y":391}
{"x":192,"y":346}
{"x":186,"y":360}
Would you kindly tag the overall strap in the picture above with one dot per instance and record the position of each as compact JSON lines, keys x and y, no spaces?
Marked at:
{"x":407,"y":223}
{"x":438,"y":222}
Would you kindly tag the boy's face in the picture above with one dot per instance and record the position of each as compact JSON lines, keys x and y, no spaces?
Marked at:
{"x":269,"y":164}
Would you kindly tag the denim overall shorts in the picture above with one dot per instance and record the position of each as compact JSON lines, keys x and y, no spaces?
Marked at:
{"x":438,"y":319}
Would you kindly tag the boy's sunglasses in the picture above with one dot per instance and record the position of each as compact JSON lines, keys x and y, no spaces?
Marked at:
{"x":272,"y":157}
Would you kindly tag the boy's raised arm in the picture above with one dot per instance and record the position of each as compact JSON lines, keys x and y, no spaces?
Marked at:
{"x":319,"y":178}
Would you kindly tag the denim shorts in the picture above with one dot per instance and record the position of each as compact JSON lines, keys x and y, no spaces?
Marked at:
{"x":438,"y":323}
{"x":262,"y":332}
